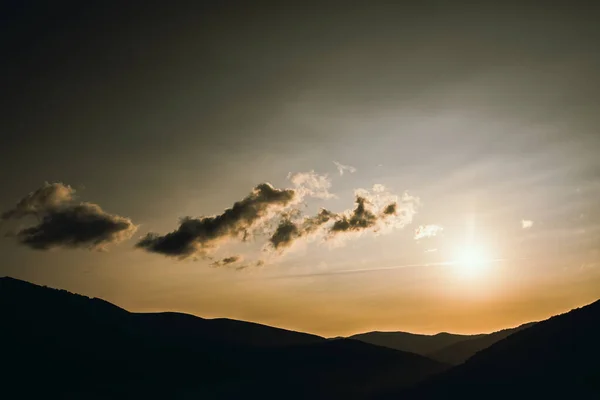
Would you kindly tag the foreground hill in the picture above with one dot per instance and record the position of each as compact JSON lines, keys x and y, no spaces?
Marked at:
{"x":556,"y":358}
{"x":63,"y":345}
{"x":336,"y":369}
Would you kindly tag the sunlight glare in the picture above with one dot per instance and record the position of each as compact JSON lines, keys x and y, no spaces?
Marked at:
{"x":471,"y":260}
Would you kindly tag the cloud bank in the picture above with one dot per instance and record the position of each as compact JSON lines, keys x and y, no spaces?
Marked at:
{"x":64,"y":223}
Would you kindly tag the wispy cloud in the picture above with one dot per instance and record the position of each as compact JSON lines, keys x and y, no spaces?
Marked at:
{"x":526,"y":223}
{"x":425,"y":231}
{"x":341,"y":168}
{"x":226,"y":261}
{"x":311,"y":184}
{"x":378,"y":188}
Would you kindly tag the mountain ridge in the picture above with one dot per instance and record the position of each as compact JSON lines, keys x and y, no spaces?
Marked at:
{"x":554,"y":358}
{"x":53,"y":333}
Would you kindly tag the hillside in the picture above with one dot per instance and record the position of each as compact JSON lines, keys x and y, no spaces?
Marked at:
{"x":63,"y":345}
{"x":459,"y":352}
{"x":555,"y":358}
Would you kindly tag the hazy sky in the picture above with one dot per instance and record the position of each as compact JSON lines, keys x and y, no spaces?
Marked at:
{"x":454,"y":147}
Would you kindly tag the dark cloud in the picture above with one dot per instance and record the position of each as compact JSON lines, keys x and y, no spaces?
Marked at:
{"x":226,"y":261}
{"x":85,"y":225}
{"x":285,"y":234}
{"x":361,"y":218}
{"x":63,"y":223}
{"x":288,"y":231}
{"x":312,"y":224}
{"x":390,"y":209}
{"x":195,"y":236}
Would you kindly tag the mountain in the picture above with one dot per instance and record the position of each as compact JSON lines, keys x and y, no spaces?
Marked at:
{"x":341,"y":368}
{"x":62,"y":345}
{"x":445,"y":347}
{"x":555,"y":358}
{"x":459,"y":352}
{"x":34,"y":304}
{"x":411,"y":342}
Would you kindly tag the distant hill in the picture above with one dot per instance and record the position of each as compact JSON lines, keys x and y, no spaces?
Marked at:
{"x":445,"y":347}
{"x":459,"y":352}
{"x":62,"y":345}
{"x":411,"y":342}
{"x":556,"y":358}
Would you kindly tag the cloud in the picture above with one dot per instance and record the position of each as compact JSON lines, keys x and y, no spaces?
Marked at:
{"x":226,"y":261}
{"x":286,"y":232}
{"x":393,"y":211}
{"x":64,"y":223}
{"x":360,"y":218}
{"x":85,"y":225}
{"x":289,"y":231}
{"x":271,"y":211}
{"x":311,"y":184}
{"x":197,"y":236}
{"x":378,"y":188}
{"x":254,"y":264}
{"x":526,"y":223}
{"x":390,"y":209}
{"x":48,"y":197}
{"x":341,"y":168}
{"x":379,"y":212}
{"x":427,"y":231}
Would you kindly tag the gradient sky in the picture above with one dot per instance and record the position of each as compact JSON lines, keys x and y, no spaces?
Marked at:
{"x":489,"y":116}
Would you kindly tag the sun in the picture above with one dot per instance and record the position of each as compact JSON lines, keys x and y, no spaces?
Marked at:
{"x":471,"y":260}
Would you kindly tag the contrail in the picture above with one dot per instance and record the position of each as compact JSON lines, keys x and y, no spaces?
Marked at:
{"x":365,"y":270}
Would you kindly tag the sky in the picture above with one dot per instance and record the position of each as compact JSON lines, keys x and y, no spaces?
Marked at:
{"x":317,"y":166}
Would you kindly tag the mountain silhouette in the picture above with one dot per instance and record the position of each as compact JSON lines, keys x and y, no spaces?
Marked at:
{"x":459,"y":352}
{"x":412,"y":342}
{"x":445,"y":347}
{"x":555,"y":358}
{"x":62,"y":345}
